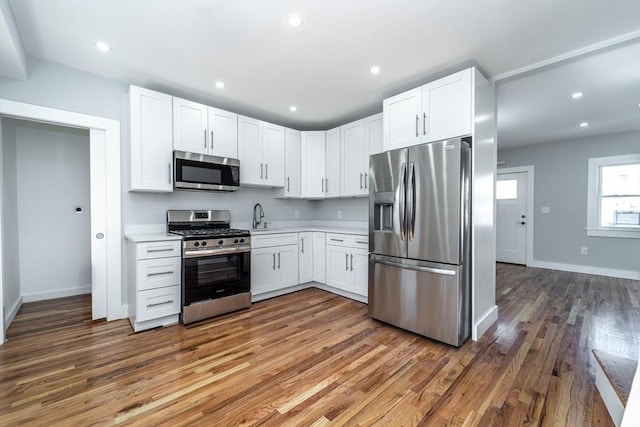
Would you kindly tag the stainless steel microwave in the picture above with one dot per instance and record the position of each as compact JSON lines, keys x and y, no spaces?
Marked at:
{"x":202,"y":172}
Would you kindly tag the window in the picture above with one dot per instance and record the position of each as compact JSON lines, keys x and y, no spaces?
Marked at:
{"x":613,"y":205}
{"x":507,"y":189}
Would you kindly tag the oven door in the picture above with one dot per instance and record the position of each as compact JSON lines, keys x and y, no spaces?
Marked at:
{"x":202,"y":172}
{"x":215,"y":276}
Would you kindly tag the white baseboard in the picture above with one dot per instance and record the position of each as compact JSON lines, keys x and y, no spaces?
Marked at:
{"x":60,"y":293}
{"x":587,"y":269}
{"x":11,"y":314}
{"x":279,"y":292}
{"x":340,"y":292}
{"x":485,"y":322}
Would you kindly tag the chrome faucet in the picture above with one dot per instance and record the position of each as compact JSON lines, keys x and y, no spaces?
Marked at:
{"x":259,"y":217}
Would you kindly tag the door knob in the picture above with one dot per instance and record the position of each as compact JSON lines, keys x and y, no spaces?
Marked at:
{"x":523,"y":216}
{"x":99,"y":236}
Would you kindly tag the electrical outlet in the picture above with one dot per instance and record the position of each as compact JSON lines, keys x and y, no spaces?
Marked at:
{"x":584,"y":250}
{"x":545,"y":209}
{"x":339,"y":214}
{"x":296,"y":214}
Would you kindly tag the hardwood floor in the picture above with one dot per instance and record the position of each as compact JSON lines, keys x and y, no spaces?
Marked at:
{"x":314,"y":358}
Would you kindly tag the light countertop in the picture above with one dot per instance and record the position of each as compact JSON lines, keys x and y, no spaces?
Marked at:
{"x":323,"y":229}
{"x":151,"y":237}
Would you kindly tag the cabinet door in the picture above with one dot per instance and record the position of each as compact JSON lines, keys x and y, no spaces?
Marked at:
{"x":305,"y":257}
{"x":151,"y":140}
{"x":263,"y":270}
{"x":223,"y":133}
{"x":446,"y":107}
{"x":273,"y":149}
{"x":332,"y":169}
{"x":287,"y":266}
{"x":190,"y":126}
{"x":401,"y":114}
{"x":292,"y":183}
{"x":373,"y":133}
{"x":338,"y":267}
{"x":319,"y":256}
{"x":250,"y":151}
{"x":354,"y":150}
{"x":313,"y":164}
{"x":360,"y":273}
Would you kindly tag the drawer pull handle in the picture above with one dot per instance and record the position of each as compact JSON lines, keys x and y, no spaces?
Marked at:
{"x":338,"y":240}
{"x":158,"y":273}
{"x":160,"y":303}
{"x":219,"y":291}
{"x":360,"y":241}
{"x":164,"y":249}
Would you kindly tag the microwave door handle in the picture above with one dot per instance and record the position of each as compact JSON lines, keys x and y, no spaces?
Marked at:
{"x":403,"y":178}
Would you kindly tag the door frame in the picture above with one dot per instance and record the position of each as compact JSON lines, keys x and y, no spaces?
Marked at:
{"x":529,"y":169}
{"x":104,"y":139}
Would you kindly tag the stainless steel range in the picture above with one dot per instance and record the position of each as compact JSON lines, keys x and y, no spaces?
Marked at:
{"x":216,"y":263}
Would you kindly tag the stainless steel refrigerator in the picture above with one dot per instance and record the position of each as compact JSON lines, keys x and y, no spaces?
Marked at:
{"x":420,"y":241}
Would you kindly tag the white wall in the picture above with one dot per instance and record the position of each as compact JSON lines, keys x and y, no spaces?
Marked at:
{"x":52,"y":166}
{"x":10,"y":254}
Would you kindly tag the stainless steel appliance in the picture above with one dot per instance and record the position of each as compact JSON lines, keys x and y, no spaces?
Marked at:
{"x":201,"y":172}
{"x":216,"y":263}
{"x":420,"y":241}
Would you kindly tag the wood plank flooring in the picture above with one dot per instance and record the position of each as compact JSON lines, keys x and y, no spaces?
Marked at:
{"x":314,"y":359}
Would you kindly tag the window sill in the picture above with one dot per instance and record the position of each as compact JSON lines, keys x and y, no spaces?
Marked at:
{"x":626,"y":233}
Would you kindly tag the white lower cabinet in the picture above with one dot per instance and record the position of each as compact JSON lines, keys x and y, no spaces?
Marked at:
{"x":274,"y":262}
{"x":319,"y":263}
{"x":305,"y":248}
{"x":154,"y":275}
{"x":347,"y":263}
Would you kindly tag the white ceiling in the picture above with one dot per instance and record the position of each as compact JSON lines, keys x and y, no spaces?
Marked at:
{"x":322,"y":67}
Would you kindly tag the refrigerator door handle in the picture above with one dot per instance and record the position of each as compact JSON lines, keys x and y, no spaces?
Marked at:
{"x":417,"y":268}
{"x":412,"y":202}
{"x":403,"y":213}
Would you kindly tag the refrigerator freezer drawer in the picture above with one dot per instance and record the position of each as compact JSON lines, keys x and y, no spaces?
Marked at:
{"x":425,"y":298}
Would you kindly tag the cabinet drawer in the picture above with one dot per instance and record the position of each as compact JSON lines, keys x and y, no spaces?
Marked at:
{"x":158,"y":273}
{"x":348,"y":240}
{"x":156,"y":303}
{"x":162,"y":249}
{"x":269,"y":240}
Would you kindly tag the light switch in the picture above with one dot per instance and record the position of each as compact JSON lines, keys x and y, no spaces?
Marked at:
{"x":545,"y":209}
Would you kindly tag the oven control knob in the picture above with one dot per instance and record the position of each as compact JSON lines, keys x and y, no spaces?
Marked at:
{"x":196,"y":244}
{"x":241,"y":240}
{"x":220,"y":242}
{"x":204,"y":243}
{"x":235,"y":241}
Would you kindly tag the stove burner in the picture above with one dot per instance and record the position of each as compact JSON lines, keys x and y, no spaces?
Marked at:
{"x":210,"y":232}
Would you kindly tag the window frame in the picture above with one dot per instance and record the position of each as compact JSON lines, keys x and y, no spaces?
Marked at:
{"x":594,"y":198}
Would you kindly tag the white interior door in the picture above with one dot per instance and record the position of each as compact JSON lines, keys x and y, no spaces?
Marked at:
{"x":98,"y":179}
{"x":511,"y":218}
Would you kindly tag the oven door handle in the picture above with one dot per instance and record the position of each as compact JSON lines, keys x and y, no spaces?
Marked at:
{"x":213,"y":252}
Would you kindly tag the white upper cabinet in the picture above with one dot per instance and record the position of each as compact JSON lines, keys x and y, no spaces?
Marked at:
{"x":438,"y":110}
{"x":292,"y":178}
{"x":332,"y":167}
{"x":402,"y":119}
{"x":261,"y":153}
{"x":446,"y":107}
{"x":373,"y":133}
{"x":204,"y":130}
{"x":313,"y":164}
{"x":223,"y":133}
{"x":190,"y":126}
{"x":151,"y":141}
{"x":354,"y":159}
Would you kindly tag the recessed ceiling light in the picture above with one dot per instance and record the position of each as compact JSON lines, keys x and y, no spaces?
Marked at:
{"x":375,"y":69}
{"x":294,"y":20}
{"x":576,"y":95}
{"x":219,"y":85}
{"x":293,"y":108}
{"x":103,"y":46}
{"x":584,"y":124}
